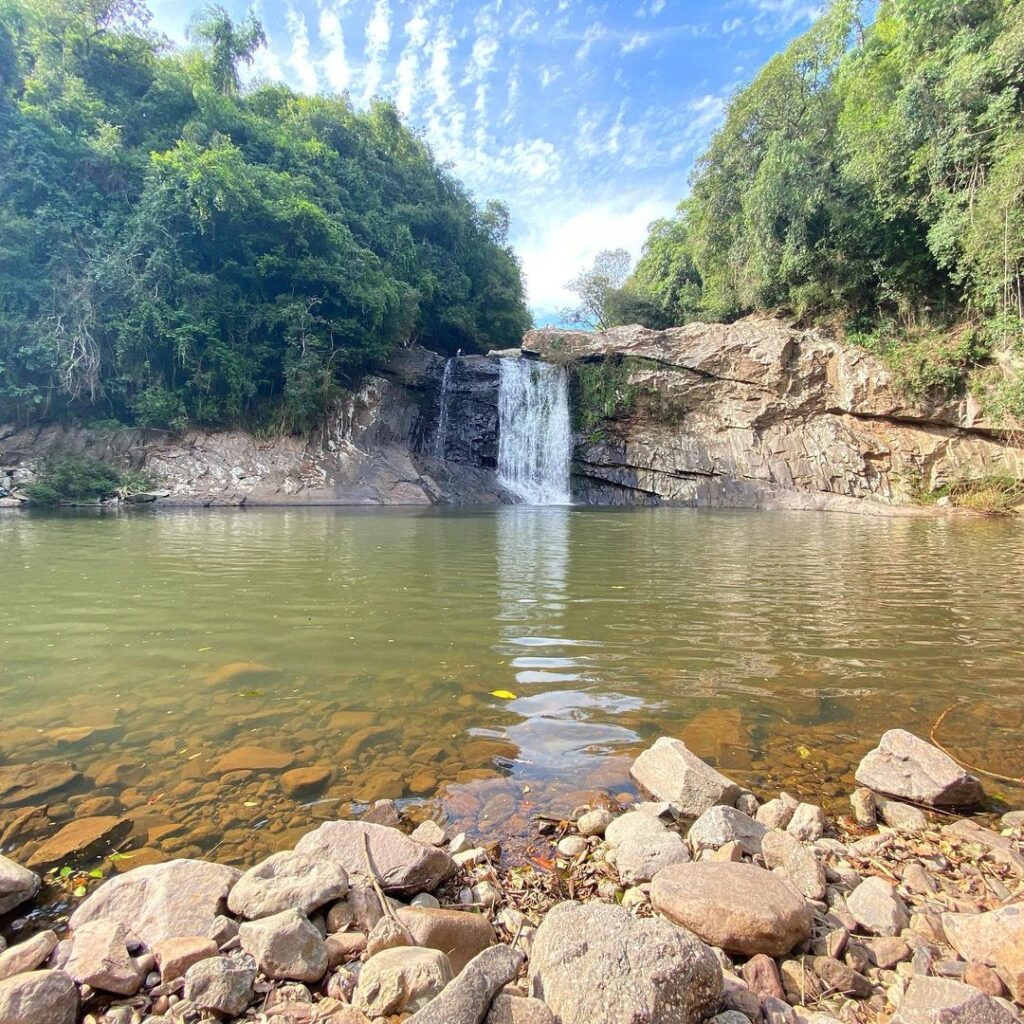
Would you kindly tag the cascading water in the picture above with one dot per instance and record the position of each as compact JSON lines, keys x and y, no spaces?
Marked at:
{"x":535,"y":438}
{"x":441,"y":437}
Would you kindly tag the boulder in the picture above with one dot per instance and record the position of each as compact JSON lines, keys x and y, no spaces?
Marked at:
{"x":467,"y":999}
{"x":807,"y":823}
{"x":27,"y":955}
{"x":39,"y":996}
{"x":944,"y":1001}
{"x":775,"y":813}
{"x":506,"y":1009}
{"x":401,"y":980}
{"x":669,"y":771}
{"x":995,"y":938}
{"x":387,"y":934}
{"x":99,"y":958}
{"x":403,"y":867}
{"x":285,"y":946}
{"x":633,"y":825}
{"x":456,"y":933}
{"x":595,"y":962}
{"x":221,"y":985}
{"x":287,"y":881}
{"x":720,"y":825}
{"x":17,"y":884}
{"x":81,"y":839}
{"x":876,"y":907}
{"x":162,"y":901}
{"x":740,"y":908}
{"x":785,"y":854}
{"x":175,"y":956}
{"x":904,"y":765}
{"x":639,"y":860}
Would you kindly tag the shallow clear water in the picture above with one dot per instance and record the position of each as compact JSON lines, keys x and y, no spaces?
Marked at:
{"x":779,"y":645}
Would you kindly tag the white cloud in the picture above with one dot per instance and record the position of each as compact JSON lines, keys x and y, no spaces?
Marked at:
{"x":777,"y":16}
{"x":547,"y":74}
{"x":637,"y":41}
{"x":334,"y":64}
{"x":378,"y":38}
{"x":651,"y":9}
{"x":732,"y":25}
{"x":298,"y":59}
{"x":407,"y":75}
{"x":593,"y":33}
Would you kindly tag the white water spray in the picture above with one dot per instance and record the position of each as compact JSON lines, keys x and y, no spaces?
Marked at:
{"x":535,"y":438}
{"x":441,"y":437}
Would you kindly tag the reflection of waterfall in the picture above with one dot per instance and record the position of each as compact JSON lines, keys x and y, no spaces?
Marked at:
{"x":441,"y":437}
{"x":535,"y":439}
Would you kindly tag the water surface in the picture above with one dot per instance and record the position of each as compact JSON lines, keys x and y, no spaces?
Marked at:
{"x":143,"y":648}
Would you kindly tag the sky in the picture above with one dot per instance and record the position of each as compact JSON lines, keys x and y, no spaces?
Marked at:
{"x":584,"y":117}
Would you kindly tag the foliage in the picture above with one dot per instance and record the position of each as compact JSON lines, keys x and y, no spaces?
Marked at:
{"x":995,"y":494}
{"x":176,"y":250}
{"x":75,"y":478}
{"x":599,"y":390}
{"x":593,"y":288}
{"x":872,"y":174}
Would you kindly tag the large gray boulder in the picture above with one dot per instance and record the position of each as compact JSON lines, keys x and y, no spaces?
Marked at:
{"x":720,"y":825}
{"x":944,"y":1001}
{"x":285,"y":946}
{"x":740,"y":908}
{"x":904,"y":765}
{"x":17,"y":884}
{"x":595,"y":962}
{"x":403,"y":866}
{"x":162,"y":901}
{"x":37,"y":997}
{"x":287,"y":881}
{"x":877,"y":908}
{"x":99,"y":958}
{"x":467,"y":999}
{"x":669,"y":771}
{"x":221,"y":984}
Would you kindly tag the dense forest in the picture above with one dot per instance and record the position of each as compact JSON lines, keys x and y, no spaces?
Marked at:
{"x":870,"y":177}
{"x":175,"y":249}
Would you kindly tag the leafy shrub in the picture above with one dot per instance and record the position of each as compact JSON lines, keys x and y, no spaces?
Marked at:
{"x":64,"y":479}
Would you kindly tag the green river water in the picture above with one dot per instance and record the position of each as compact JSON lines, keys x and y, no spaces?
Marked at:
{"x":172,"y":666}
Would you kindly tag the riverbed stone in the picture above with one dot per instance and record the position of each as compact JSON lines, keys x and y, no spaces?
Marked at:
{"x":467,"y":998}
{"x":995,"y":938}
{"x":428,"y":832}
{"x":285,"y":881}
{"x":285,"y":946}
{"x":901,"y":816}
{"x":904,"y":765}
{"x":865,"y":811}
{"x":785,"y":854}
{"x":22,"y":784}
{"x":740,"y":908}
{"x":509,"y":1009}
{"x":300,"y":783}
{"x":761,"y":973}
{"x":595,"y":962}
{"x":39,"y":996}
{"x":402,"y":980}
{"x":670,"y":771}
{"x":99,"y":958}
{"x":221,"y":984}
{"x":162,"y":901}
{"x":633,"y":825}
{"x":720,"y":825}
{"x":458,"y":934}
{"x":807,"y":823}
{"x":404,"y":867}
{"x":944,"y":1001}
{"x":17,"y":884}
{"x":387,"y":933}
{"x":775,"y":813}
{"x":877,"y":908}
{"x":253,"y":759}
{"x":81,"y":839}
{"x":27,"y":955}
{"x":639,"y":859}
{"x":175,"y":956}
{"x":594,"y":822}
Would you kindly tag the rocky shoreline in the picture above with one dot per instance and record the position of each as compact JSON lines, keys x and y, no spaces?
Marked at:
{"x":701,"y":903}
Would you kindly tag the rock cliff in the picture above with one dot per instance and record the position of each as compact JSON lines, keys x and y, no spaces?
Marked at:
{"x":760,"y":414}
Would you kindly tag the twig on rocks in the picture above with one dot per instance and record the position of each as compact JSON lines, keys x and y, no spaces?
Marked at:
{"x":385,"y":903}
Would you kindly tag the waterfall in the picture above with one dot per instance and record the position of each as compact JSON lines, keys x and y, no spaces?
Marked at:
{"x":535,"y":439}
{"x":441,"y":437}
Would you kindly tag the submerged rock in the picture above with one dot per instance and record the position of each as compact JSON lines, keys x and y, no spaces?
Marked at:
{"x":80,"y":840}
{"x":669,"y":771}
{"x":740,"y":908}
{"x":595,"y":962}
{"x":904,"y":765}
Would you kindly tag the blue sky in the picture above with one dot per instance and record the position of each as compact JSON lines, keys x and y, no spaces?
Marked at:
{"x":584,"y":117}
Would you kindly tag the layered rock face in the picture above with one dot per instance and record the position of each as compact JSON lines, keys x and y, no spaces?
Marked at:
{"x":759,"y":414}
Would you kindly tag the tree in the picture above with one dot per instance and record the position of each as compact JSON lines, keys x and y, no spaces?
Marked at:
{"x":229,"y":44}
{"x":592,"y":287}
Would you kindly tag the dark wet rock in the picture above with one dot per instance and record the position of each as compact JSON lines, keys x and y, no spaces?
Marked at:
{"x":401,"y":980}
{"x":720,"y":825}
{"x":456,"y":933}
{"x":467,"y":999}
{"x":32,"y":783}
{"x":285,"y":946}
{"x":288,"y":880}
{"x":27,"y":955}
{"x":99,"y":958}
{"x":404,"y":867}
{"x":904,"y":765}
{"x":595,"y":962}
{"x":740,"y":908}
{"x":162,"y":901}
{"x":39,"y":996}
{"x":669,"y":771}
{"x":17,"y":884}
{"x":943,"y":1001}
{"x":221,"y":984}
{"x":80,"y":840}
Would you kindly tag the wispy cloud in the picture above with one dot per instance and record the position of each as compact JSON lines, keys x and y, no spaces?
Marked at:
{"x":378,"y":39}
{"x":334,"y":64}
{"x":407,"y":74}
{"x":298,"y":57}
